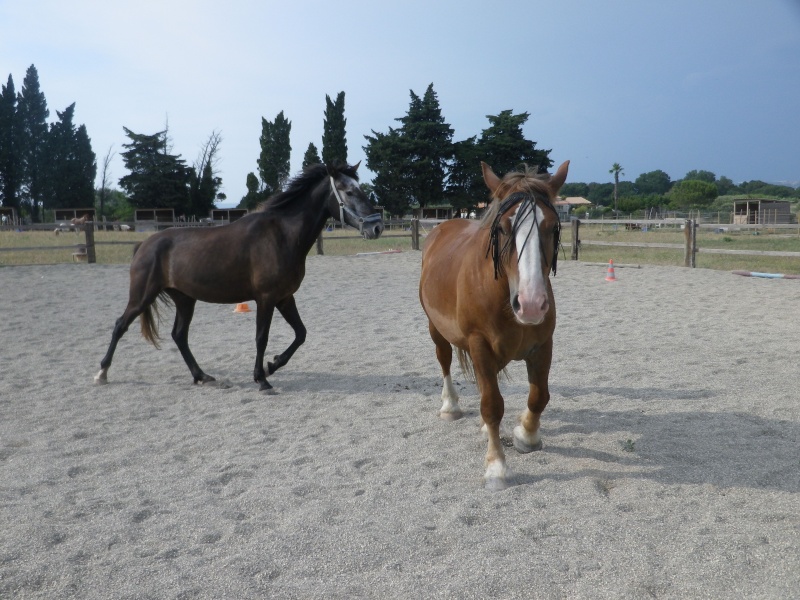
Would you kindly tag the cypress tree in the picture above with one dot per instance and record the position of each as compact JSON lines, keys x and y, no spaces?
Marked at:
{"x":10,"y":158}
{"x":334,"y":136}
{"x":274,"y":160}
{"x":33,"y":114}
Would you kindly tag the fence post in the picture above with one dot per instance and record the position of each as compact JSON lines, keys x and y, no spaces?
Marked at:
{"x":415,"y":234}
{"x":687,"y":247}
{"x":319,"y":244}
{"x":576,"y":223}
{"x":690,"y":246}
{"x":88,"y":229}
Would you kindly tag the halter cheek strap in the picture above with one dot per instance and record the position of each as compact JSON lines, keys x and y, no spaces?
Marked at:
{"x":373,"y":218}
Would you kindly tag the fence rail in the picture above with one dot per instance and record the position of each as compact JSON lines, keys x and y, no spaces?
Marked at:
{"x":689,"y":246}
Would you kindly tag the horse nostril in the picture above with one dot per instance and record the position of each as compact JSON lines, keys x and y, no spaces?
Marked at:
{"x":515,"y":303}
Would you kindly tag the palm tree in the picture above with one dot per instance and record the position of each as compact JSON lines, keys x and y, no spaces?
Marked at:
{"x":616,"y":169}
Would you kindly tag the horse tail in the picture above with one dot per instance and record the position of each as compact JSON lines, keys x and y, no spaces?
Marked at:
{"x":151,"y":317}
{"x":465,"y":362}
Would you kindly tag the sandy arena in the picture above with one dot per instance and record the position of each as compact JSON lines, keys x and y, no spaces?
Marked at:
{"x":670,"y":467}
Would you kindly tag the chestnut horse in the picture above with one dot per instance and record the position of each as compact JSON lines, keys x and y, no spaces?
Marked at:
{"x":259,"y":257}
{"x":485,"y":287}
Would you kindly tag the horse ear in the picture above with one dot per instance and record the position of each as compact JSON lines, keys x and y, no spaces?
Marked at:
{"x":491,"y":180}
{"x":557,"y":180}
{"x":355,"y":166}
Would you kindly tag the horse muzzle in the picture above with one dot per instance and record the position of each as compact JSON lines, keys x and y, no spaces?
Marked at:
{"x":371,"y":226}
{"x":530,"y":311}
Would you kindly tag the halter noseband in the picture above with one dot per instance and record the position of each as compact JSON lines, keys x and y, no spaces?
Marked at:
{"x":362,"y":221}
{"x":496,"y":249}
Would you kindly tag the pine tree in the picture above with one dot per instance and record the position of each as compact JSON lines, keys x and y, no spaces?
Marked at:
{"x":504,"y":147}
{"x":33,"y":114}
{"x":68,"y":181}
{"x":157,"y":179}
{"x":311,"y":157}
{"x":334,"y":136}
{"x":410,"y":162}
{"x":274,"y":160}
{"x":10,"y":158}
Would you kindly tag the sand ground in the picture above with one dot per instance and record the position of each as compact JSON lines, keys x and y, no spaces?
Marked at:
{"x":670,"y":467}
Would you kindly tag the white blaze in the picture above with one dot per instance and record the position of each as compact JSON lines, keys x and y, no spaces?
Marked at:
{"x":531,"y":288}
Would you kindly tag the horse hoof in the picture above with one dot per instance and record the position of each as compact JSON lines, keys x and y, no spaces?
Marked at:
{"x":265,"y":386}
{"x":450,"y":416}
{"x":205,"y":379}
{"x":525,"y":446}
{"x":100,"y":378}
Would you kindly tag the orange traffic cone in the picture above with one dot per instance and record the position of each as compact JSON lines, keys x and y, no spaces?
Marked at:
{"x":243,"y":307}
{"x":611,"y":276}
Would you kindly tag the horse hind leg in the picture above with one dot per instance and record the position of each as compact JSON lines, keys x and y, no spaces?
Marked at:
{"x":144,"y":292}
{"x":132,"y":311}
{"x":184,"y":312}
{"x":450,"y":410}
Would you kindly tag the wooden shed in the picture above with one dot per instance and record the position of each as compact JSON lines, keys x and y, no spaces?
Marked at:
{"x":8,"y":216}
{"x":227,"y":215}
{"x":760,"y":211}
{"x":153,"y":219}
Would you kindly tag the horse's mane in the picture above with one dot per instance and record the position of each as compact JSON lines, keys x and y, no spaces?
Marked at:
{"x":523,"y":186}
{"x":303,"y":183}
{"x":526,"y":180}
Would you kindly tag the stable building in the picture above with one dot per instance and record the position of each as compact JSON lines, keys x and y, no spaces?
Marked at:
{"x":761,"y":211}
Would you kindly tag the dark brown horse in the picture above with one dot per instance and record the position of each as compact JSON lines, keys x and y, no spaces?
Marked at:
{"x":259,"y":257}
{"x":485,"y":287}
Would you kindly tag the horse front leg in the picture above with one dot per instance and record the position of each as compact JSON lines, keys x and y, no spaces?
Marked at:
{"x":526,"y":434}
{"x":492,"y":409}
{"x":288,"y":310}
{"x":450,"y":410}
{"x":264,"y":314}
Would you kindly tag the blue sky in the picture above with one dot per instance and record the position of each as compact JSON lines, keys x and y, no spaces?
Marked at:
{"x":677,"y":85}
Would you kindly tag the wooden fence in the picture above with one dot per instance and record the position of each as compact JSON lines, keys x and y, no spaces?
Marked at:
{"x":689,"y":246}
{"x":86,"y":251}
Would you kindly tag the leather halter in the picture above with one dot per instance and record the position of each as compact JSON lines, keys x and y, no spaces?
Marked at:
{"x":362,"y":221}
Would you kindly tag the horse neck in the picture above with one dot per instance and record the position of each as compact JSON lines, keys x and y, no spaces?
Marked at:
{"x":311,"y":219}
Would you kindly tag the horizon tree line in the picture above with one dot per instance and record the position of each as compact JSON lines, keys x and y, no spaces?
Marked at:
{"x":415,"y":164}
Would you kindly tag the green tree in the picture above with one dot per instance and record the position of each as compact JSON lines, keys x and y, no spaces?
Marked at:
{"x":695,"y":175}
{"x":157,"y":179}
{"x":465,"y":188}
{"x":33,"y":114}
{"x":616,"y":170}
{"x":334,"y":136}
{"x":71,"y":166}
{"x":410,"y":162}
{"x":254,"y":196}
{"x":311,"y":157}
{"x":10,"y":158}
{"x":579,"y":190}
{"x":692,"y":193}
{"x":274,"y":160}
{"x":726,"y":186}
{"x":652,"y":182}
{"x":504,"y":147}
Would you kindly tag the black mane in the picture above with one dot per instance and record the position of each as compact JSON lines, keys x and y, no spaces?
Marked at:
{"x":302,"y":184}
{"x":501,"y":249}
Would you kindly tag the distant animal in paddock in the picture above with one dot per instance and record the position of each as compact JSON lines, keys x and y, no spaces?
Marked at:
{"x":485,"y":287}
{"x":78,"y":223}
{"x":259,"y":257}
